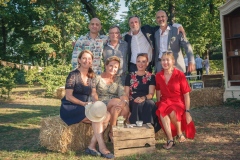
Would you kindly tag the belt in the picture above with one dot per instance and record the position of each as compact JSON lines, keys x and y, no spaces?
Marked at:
{"x":159,"y":59}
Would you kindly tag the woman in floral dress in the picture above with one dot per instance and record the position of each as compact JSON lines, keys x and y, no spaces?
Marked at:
{"x":111,"y":91}
{"x":140,"y":87}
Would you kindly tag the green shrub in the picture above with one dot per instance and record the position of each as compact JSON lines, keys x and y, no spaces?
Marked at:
{"x":216,"y":66}
{"x":20,"y":77}
{"x":53,"y":77}
{"x":7,"y":80}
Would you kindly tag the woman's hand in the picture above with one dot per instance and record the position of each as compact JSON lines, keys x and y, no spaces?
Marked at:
{"x":139,"y":99}
{"x":188,"y":117}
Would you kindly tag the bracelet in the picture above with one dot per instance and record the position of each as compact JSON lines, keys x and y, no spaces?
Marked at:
{"x":187,"y":110}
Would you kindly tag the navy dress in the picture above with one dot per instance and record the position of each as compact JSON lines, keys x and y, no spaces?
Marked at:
{"x":145,"y":111}
{"x":72,"y":113}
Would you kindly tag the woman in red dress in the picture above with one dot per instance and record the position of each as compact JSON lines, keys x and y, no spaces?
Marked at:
{"x":173,"y":104}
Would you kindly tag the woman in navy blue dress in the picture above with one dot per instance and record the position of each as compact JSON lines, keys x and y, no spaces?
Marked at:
{"x":79,"y":88}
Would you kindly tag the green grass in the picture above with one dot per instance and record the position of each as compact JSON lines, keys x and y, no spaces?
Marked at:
{"x":218,"y":130}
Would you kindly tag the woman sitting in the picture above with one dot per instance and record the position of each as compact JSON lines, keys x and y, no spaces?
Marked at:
{"x":79,"y":88}
{"x":140,"y":87}
{"x":173,"y":101}
{"x":110,"y":90}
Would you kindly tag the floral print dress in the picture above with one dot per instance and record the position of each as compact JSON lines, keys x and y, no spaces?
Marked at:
{"x":138,"y":87}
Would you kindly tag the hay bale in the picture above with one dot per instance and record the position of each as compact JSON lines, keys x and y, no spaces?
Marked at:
{"x":60,"y":93}
{"x":55,"y":135}
{"x":206,"y":97}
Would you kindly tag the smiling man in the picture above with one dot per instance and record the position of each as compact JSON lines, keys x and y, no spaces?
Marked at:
{"x":116,"y":47}
{"x":92,"y":41}
{"x":167,"y":38}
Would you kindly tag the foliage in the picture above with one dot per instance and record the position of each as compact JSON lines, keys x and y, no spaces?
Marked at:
{"x":20,"y":77}
{"x":7,"y":81}
{"x":53,"y":77}
{"x":216,"y":66}
{"x":31,"y":76}
{"x":40,"y":32}
{"x":200,"y":19}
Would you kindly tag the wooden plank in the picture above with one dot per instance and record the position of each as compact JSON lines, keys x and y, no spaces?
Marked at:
{"x":133,"y":133}
{"x":126,"y":152}
{"x":133,"y":143}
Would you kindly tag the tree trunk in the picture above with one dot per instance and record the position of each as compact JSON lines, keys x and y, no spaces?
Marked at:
{"x":4,"y":46}
{"x":90,"y":8}
{"x":171,"y":10}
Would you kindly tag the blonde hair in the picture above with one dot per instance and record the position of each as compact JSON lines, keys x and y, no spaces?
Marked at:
{"x":91,"y":73}
{"x":112,"y":58}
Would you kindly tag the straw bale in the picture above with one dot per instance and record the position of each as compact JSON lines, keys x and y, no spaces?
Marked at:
{"x":60,"y":93}
{"x":206,"y":97}
{"x":55,"y":135}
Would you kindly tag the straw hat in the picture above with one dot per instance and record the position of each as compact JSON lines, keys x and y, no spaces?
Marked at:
{"x":96,"y":112}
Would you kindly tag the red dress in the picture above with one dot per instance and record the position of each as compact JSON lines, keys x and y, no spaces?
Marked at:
{"x":172,"y":100}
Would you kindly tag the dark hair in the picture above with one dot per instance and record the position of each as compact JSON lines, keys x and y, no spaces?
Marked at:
{"x":133,"y":17}
{"x":91,"y":73}
{"x":143,"y":55}
{"x":114,"y":26}
{"x":112,"y":58}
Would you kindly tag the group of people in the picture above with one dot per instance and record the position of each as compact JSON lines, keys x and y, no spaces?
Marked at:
{"x":200,"y":64}
{"x":126,"y":86}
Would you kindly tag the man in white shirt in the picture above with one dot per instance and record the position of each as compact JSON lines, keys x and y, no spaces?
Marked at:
{"x":141,"y":40}
{"x":168,"y":39}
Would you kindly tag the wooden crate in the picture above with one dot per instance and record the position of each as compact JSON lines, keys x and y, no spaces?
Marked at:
{"x":213,"y":80}
{"x":136,"y":140}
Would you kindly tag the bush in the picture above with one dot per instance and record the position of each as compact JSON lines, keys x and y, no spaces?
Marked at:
{"x":20,"y":77}
{"x":7,"y":80}
{"x":53,"y":77}
{"x":216,"y":66}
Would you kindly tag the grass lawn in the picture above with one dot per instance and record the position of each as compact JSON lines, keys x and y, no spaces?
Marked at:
{"x":218,"y":131}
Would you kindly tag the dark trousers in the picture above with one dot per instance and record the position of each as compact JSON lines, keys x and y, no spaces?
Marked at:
{"x":199,"y":72}
{"x":133,"y":68}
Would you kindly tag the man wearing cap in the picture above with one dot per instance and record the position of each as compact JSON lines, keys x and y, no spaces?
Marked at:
{"x":92,"y":41}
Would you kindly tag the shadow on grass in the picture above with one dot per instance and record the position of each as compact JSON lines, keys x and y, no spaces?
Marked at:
{"x":217,"y":133}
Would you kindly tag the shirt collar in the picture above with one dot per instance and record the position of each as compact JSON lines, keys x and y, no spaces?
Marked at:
{"x":166,"y":31}
{"x":88,"y":36}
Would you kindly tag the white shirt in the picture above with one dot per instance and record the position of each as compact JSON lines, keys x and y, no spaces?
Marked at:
{"x":140,"y":45}
{"x":186,"y":61}
{"x":163,"y":41}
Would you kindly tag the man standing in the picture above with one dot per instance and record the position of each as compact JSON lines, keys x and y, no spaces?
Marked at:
{"x":199,"y":62}
{"x":91,"y":41}
{"x":139,"y":41}
{"x":167,"y":38}
{"x":117,"y":47}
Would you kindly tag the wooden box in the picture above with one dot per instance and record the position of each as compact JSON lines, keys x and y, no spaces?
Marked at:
{"x":136,"y":140}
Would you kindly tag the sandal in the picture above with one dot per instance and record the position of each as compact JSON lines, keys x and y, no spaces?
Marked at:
{"x":167,"y":147}
{"x":180,"y":139}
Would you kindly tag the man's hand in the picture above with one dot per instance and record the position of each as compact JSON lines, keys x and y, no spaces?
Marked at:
{"x":181,"y":29}
{"x":191,"y":67}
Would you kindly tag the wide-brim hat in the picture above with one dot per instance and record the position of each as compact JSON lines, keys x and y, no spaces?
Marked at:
{"x":96,"y":112}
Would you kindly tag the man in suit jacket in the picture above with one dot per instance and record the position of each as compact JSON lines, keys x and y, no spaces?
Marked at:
{"x":167,"y":38}
{"x":140,"y":40}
